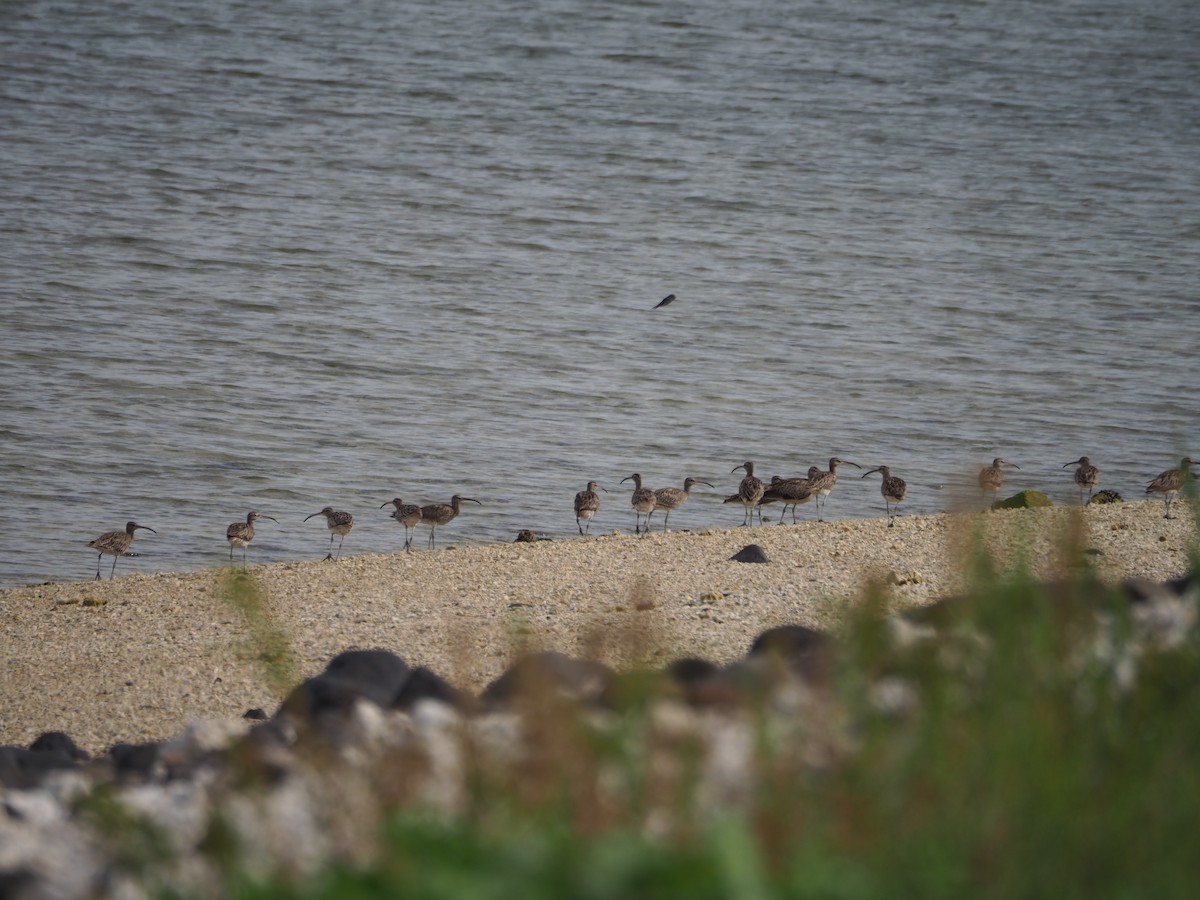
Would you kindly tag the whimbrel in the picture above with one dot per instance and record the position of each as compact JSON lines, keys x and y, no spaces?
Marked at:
{"x":893,"y":489}
{"x":436,"y":514}
{"x":670,"y":498}
{"x":115,"y":544}
{"x":587,"y":504}
{"x":339,"y":523}
{"x":1086,"y":476}
{"x":643,"y":500}
{"x":991,"y":478}
{"x":1170,"y":483}
{"x":408,"y":515}
{"x":750,"y":492}
{"x":824,"y":482}
{"x":790,"y":492}
{"x":240,"y":534}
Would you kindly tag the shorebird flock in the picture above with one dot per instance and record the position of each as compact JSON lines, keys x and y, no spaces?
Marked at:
{"x":752,"y":493}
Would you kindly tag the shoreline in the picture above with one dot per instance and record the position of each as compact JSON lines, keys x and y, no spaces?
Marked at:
{"x":139,"y":657}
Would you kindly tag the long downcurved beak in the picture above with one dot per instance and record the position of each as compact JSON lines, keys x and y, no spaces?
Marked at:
{"x":306,"y":518}
{"x":147,"y":527}
{"x":871,"y":472}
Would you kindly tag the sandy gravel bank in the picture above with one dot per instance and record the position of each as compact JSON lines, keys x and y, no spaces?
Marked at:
{"x":139,"y":657}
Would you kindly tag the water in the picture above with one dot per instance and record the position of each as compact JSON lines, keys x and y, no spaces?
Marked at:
{"x":278,"y":256}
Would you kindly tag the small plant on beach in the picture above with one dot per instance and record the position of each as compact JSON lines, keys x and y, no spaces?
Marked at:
{"x":266,"y":639}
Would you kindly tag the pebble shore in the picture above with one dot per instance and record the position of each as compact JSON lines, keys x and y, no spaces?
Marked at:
{"x":138,"y":658}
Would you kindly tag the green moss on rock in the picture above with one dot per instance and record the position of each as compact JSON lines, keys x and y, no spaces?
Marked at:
{"x":1023,"y":500}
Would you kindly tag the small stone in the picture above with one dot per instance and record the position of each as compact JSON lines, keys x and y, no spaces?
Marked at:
{"x":751,"y":553}
{"x":526,"y":536}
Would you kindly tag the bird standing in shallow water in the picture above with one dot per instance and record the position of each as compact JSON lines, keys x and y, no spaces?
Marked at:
{"x":1086,"y":476}
{"x":587,"y":504}
{"x":894,"y":490}
{"x":240,"y":534}
{"x":643,"y":500}
{"x":115,"y":544}
{"x":408,"y":515}
{"x":823,"y":483}
{"x":750,"y":492}
{"x":436,"y":514}
{"x":339,"y":523}
{"x":991,"y":478}
{"x":670,"y":498}
{"x":1170,"y":483}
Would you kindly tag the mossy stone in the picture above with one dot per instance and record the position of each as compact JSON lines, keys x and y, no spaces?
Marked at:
{"x":1024,"y":500}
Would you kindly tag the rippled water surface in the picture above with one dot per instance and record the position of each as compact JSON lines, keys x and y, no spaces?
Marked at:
{"x":278,"y":256}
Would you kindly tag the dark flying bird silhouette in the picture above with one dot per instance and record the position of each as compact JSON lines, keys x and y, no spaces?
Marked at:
{"x":670,"y":298}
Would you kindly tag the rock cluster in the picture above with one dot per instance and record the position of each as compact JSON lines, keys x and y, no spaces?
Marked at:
{"x":370,"y":733}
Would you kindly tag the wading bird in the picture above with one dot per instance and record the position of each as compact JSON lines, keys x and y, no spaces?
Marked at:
{"x":1087,"y":476}
{"x":339,"y":523}
{"x":115,"y":544}
{"x":408,"y":515}
{"x":240,"y":534}
{"x":1170,"y":483}
{"x":893,"y":489}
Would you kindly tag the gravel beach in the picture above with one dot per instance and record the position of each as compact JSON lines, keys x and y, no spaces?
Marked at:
{"x":139,"y":657}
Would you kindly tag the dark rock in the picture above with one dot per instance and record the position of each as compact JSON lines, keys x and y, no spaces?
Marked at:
{"x":425,"y":684}
{"x":550,"y":676}
{"x":1106,"y":497}
{"x":18,"y":883}
{"x":131,"y":761}
{"x":704,"y":683}
{"x":256,"y":714}
{"x":1024,"y":500}
{"x":22,"y":769}
{"x":375,"y":675}
{"x":526,"y":536}
{"x":691,"y":670}
{"x":806,"y":652}
{"x":1142,"y":590}
{"x":751,"y":553}
{"x":57,"y":742}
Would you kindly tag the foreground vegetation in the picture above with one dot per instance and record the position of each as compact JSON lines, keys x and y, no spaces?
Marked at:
{"x":1038,"y":745}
